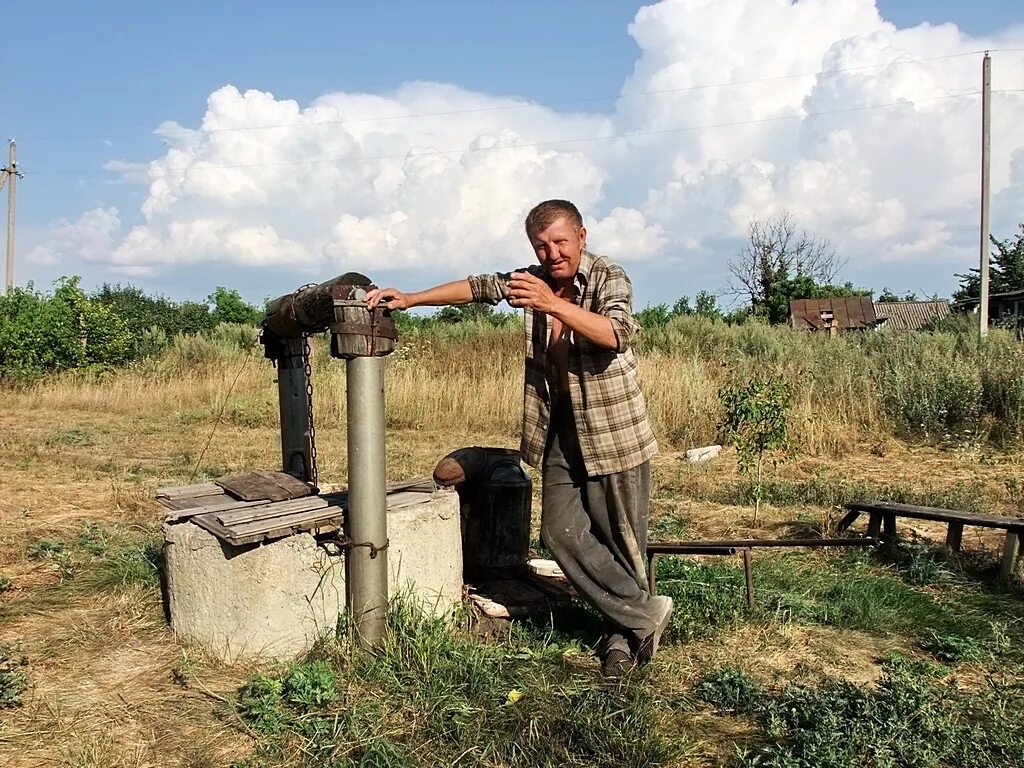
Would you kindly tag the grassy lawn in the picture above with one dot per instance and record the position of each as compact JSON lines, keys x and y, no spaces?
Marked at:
{"x":846,"y":659}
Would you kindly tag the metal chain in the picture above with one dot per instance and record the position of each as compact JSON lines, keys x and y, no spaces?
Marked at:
{"x":314,"y":472}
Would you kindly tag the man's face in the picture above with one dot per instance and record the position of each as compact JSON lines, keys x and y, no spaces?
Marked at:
{"x":559,"y":248}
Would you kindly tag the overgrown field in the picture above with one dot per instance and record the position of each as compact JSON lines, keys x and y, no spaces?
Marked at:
{"x":846,"y":660}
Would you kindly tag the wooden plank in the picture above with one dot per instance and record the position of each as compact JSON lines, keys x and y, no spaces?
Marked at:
{"x":185,"y":514}
{"x":889,"y":527}
{"x":955,"y":536}
{"x":401,"y":499}
{"x":848,"y":520}
{"x":875,"y":525}
{"x":555,"y":587}
{"x":494,"y":609}
{"x":510,"y":598}
{"x":191,"y":502}
{"x":286,"y":521}
{"x":188,"y":491}
{"x":1011,"y":551}
{"x":938,"y":514}
{"x":320,"y":518}
{"x":261,"y":510}
{"x":264,"y":485}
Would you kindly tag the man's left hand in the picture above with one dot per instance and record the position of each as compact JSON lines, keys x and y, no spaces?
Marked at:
{"x":526,"y":290}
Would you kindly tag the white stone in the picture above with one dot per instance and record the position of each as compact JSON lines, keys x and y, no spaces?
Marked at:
{"x":274,"y":600}
{"x":698,"y":455}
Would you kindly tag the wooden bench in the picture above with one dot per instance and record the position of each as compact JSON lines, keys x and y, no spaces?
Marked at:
{"x":882,"y":524}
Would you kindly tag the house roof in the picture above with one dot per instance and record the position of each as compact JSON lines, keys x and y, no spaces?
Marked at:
{"x":910,"y":315}
{"x":847,"y":314}
{"x":1007,"y":296}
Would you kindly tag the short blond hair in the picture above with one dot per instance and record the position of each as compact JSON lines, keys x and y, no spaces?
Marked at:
{"x":545,"y":214}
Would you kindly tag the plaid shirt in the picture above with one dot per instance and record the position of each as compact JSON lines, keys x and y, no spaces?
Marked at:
{"x":608,"y":407}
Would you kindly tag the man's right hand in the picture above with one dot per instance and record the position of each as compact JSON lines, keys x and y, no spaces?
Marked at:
{"x":391,"y":298}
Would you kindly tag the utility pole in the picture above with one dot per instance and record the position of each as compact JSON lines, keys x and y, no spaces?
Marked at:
{"x":986,"y":152}
{"x":10,"y":174}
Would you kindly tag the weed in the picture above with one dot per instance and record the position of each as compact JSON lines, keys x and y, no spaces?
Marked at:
{"x":184,"y":671}
{"x":46,"y":549}
{"x":311,"y":685}
{"x":953,"y":648}
{"x":729,"y":688}
{"x":259,"y":702}
{"x":135,"y":564}
{"x":13,"y":680}
{"x":55,"y":552}
{"x":75,"y":436}
{"x":5,"y":583}
{"x":912,"y":717}
{"x":924,"y":565}
{"x":708,"y":597}
{"x":669,"y":527}
{"x":94,"y":539}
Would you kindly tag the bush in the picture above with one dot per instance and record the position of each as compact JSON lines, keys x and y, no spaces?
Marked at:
{"x":41,"y":333}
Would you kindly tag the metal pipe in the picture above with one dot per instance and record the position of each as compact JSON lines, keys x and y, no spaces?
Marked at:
{"x":664,"y":547}
{"x":748,"y":578}
{"x":293,"y":403}
{"x":367,"y":500}
{"x":688,"y":548}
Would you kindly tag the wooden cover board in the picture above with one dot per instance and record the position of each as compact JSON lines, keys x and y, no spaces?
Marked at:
{"x":264,"y":485}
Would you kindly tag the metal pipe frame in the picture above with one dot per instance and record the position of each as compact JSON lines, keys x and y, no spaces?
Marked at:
{"x":367,"y":500}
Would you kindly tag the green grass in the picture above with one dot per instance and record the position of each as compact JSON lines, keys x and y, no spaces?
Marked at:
{"x":915,"y":716}
{"x":851,"y":590}
{"x":434,"y":694}
{"x":81,"y":436}
{"x":104,"y":559}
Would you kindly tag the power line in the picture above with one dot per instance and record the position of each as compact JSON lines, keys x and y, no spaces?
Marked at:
{"x":511,"y":107}
{"x":526,"y":145}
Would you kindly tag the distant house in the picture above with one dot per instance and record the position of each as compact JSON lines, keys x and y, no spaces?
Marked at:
{"x":833,"y":316}
{"x":1005,"y":310}
{"x":909,"y":315}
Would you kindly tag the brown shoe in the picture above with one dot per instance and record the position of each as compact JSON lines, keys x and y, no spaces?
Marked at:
{"x":616,"y":664}
{"x":649,"y":645}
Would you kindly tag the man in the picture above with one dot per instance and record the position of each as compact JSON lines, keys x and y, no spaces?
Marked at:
{"x":585,"y":422}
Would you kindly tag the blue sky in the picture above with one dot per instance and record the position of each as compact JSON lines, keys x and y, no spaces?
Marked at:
{"x":87,"y":83}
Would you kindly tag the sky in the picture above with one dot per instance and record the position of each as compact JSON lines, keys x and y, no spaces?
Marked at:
{"x":262,"y":146}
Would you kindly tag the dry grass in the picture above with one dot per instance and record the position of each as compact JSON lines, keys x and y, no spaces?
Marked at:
{"x":103,"y":690}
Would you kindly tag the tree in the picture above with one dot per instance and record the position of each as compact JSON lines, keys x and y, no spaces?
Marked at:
{"x":1005,"y":272}
{"x":229,"y":307}
{"x":775,"y":254}
{"x":756,"y":422}
{"x":143,"y":312}
{"x":888,"y":296}
{"x":654,"y":316}
{"x":468,"y":313}
{"x":706,"y":305}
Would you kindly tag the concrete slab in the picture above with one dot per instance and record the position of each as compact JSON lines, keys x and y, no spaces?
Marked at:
{"x":274,"y":600}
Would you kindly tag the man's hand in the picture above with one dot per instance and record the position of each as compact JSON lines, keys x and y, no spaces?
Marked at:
{"x":391,"y":298}
{"x":525,"y":290}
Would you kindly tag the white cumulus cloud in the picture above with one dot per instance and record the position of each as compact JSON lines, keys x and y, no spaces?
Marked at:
{"x":864,"y":132}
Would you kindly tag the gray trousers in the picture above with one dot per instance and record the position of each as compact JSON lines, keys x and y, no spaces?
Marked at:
{"x":596,"y":528}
